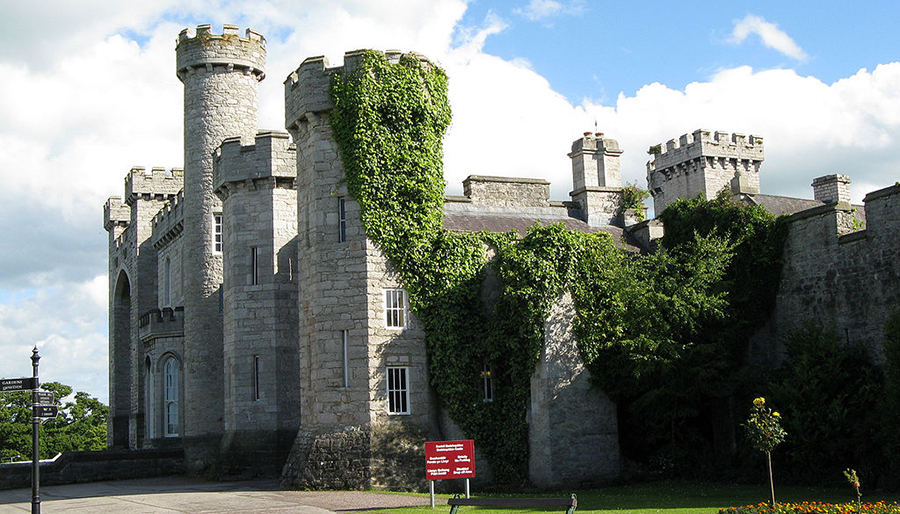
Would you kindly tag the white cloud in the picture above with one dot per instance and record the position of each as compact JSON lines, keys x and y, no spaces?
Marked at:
{"x":770,"y":35}
{"x":66,"y":324}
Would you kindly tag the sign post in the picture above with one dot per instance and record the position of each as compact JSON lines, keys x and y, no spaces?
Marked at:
{"x":35,"y":433}
{"x":449,"y":459}
{"x":39,"y":410}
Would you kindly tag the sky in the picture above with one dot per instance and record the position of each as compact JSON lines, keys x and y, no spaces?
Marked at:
{"x":88,"y":90}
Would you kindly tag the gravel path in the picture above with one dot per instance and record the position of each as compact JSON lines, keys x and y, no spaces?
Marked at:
{"x":184,"y":494}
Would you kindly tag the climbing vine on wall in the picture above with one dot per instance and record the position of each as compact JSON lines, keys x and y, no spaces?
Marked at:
{"x":389,"y":120}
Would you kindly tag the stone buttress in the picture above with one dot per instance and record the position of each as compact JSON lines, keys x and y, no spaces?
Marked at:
{"x":220,"y":74}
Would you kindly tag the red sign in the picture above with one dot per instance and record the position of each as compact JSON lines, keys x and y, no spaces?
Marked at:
{"x":449,"y":459}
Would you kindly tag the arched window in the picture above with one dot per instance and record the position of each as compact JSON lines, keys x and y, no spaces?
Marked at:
{"x":151,"y":399}
{"x":171,"y":398}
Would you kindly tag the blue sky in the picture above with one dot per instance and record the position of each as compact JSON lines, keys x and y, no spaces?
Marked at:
{"x":88,"y":90}
{"x":598,"y":49}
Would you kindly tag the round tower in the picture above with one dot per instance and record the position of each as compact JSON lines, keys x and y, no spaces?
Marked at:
{"x":221,"y":75}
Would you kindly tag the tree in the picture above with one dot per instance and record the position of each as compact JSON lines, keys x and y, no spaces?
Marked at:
{"x":80,"y":426}
{"x":765,"y":433}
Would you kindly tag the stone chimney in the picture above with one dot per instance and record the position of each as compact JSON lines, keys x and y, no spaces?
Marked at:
{"x":595,"y":162}
{"x":832,"y":188}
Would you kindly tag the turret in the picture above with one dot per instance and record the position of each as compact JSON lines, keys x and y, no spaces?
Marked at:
{"x":221,"y":75}
{"x":704,"y":163}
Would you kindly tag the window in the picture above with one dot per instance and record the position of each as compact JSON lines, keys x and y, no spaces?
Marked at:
{"x":254,"y":266}
{"x":171,"y":398}
{"x":395,"y":310}
{"x":345,"y":354}
{"x":167,"y":285}
{"x":255,"y":377}
{"x":342,"y":220}
{"x":217,"y":233}
{"x":151,"y":399}
{"x":487,"y":383}
{"x":398,"y":390}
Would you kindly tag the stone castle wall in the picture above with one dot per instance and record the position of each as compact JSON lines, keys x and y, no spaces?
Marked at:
{"x":847,"y":281}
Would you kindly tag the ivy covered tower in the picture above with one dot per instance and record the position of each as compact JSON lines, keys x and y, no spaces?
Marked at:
{"x":366,"y":406}
{"x":221,"y":75}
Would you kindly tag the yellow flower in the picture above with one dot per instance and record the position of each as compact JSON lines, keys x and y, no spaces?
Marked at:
{"x":776,"y":414}
{"x":759,"y":401}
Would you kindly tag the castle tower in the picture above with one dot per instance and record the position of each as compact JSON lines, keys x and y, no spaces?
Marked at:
{"x":704,"y":163}
{"x":262,"y":368}
{"x":133,"y":291}
{"x":220,"y":74}
{"x":353,"y":348}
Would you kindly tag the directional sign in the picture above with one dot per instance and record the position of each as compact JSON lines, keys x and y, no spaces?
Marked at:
{"x":16,"y":384}
{"x":449,"y":459}
{"x":43,"y":397}
{"x":46,"y":411}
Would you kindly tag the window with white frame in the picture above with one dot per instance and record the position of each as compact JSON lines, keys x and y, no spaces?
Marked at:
{"x":398,"y":389}
{"x":396,"y":310}
{"x":170,"y":407}
{"x":342,"y":220}
{"x":487,"y":383}
{"x":217,"y":233}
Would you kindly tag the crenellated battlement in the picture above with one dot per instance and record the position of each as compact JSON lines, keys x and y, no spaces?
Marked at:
{"x":115,"y":213}
{"x":158,"y":183}
{"x":704,"y":162}
{"x":226,"y":52}
{"x":271,"y":156}
{"x":306,"y":89}
{"x":168,"y":222}
{"x":708,"y":144}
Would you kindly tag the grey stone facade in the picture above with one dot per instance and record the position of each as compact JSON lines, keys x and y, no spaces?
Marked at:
{"x":255,"y":325}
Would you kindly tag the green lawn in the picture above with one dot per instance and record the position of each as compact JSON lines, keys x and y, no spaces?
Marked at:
{"x":672,"y":498}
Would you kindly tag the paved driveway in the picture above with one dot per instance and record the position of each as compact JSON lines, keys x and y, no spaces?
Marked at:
{"x":184,"y":494}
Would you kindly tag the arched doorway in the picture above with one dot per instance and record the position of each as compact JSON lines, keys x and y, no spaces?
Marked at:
{"x":120,"y":357}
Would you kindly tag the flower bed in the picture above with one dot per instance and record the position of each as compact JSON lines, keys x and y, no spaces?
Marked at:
{"x":816,"y":508}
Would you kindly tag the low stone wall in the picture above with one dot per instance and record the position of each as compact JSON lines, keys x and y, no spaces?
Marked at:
{"x":75,"y":467}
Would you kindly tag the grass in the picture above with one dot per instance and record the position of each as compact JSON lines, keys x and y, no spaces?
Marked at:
{"x":670,"y":498}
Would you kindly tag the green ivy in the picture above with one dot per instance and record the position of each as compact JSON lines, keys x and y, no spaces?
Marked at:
{"x":388,"y":121}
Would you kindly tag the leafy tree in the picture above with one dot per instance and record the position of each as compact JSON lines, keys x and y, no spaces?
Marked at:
{"x":765,"y":433}
{"x":80,"y":426}
{"x":832,"y":392}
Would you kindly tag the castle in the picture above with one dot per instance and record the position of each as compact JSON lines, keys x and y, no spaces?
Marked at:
{"x":255,"y":325}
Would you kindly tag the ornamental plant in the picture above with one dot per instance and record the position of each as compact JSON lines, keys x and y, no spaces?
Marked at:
{"x":765,"y":433}
{"x":850,"y":475}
